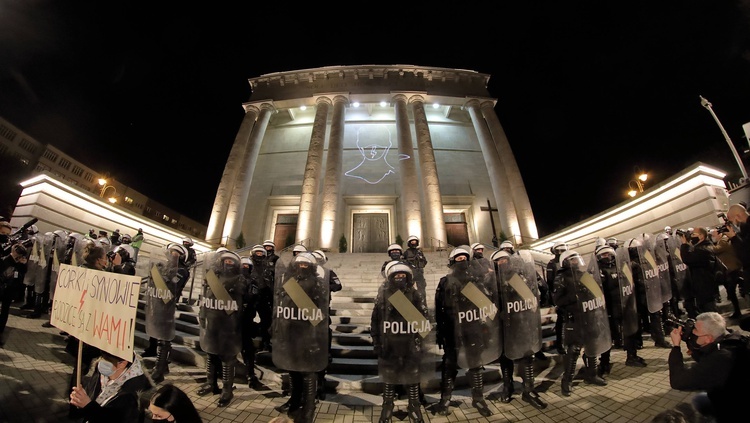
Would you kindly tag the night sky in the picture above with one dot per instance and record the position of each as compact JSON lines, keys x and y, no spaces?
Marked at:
{"x":586,"y":91}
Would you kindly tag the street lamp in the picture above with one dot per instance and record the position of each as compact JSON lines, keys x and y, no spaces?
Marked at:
{"x":636,"y":185}
{"x":103,"y":183}
{"x":705,"y":103}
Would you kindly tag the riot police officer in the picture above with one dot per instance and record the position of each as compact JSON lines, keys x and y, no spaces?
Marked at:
{"x":271,"y":257}
{"x":619,"y":296}
{"x":263,"y":276}
{"x":414,"y":256}
{"x":192,"y":258}
{"x":249,"y":327}
{"x":220,"y":318}
{"x":468,"y":343}
{"x":479,"y":262}
{"x":648,"y":298}
{"x":300,"y":332}
{"x":334,"y":285}
{"x":580,"y":297}
{"x":164,"y":287}
{"x":553,"y":268}
{"x":395,"y":253}
{"x":400,"y":327}
{"x":521,"y":324}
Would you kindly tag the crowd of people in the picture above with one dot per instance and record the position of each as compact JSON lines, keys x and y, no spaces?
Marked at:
{"x":664,"y":284}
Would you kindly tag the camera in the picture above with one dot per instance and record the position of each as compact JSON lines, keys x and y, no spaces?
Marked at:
{"x":111,"y":255}
{"x":724,"y":227}
{"x":684,"y":232}
{"x":686,"y":325}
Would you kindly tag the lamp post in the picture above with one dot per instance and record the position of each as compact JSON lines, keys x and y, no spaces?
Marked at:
{"x":707,"y":104}
{"x":105,"y":186}
{"x":639,"y":180}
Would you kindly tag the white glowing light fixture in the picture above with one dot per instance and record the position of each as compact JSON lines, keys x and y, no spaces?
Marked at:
{"x":435,"y":105}
{"x":355,"y":104}
{"x":383,"y":104}
{"x":303,"y":108}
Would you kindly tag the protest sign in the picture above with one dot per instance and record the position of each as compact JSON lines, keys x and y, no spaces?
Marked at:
{"x":97,"y":307}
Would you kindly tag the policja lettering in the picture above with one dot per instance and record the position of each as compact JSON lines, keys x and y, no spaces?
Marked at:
{"x":593,"y":304}
{"x":398,"y":328}
{"x":521,"y":305}
{"x":477,"y":314}
{"x":294,"y":313}
{"x":162,"y":294}
{"x":217,"y":304}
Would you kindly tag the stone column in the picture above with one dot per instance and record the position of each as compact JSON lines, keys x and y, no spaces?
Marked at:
{"x":529,"y":232}
{"x":238,"y":202}
{"x":228,"y":178}
{"x":332,"y":181}
{"x":408,"y":172}
{"x":498,"y":180}
{"x":311,"y":178}
{"x":428,"y":169}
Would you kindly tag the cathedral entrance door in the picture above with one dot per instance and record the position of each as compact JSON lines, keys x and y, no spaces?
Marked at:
{"x":370,"y":233}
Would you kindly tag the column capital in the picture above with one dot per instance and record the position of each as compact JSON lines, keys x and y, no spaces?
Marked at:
{"x":341,"y":99}
{"x":398,"y":97}
{"x":250,"y":107}
{"x":488,"y":103}
{"x":267,"y":106}
{"x":323,"y":100}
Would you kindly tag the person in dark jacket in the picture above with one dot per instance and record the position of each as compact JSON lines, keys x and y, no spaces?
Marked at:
{"x":700,"y":259}
{"x":720,"y":368}
{"x":113,"y":392}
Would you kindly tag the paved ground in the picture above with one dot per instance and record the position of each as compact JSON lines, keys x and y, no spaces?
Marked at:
{"x":34,"y":372}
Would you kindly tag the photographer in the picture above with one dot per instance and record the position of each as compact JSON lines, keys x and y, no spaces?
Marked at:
{"x":733,"y":275}
{"x":11,"y":265}
{"x":719,"y":368}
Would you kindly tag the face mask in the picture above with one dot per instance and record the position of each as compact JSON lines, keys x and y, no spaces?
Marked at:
{"x":694,"y":240}
{"x":105,"y":368}
{"x":395,"y":255}
{"x":461,"y":266}
{"x":478,"y":255}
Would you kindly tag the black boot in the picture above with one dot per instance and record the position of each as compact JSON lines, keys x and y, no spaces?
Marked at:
{"x":530,"y":394}
{"x":477,"y":393}
{"x":161,"y":367}
{"x":634,"y":361}
{"x":507,"y":368}
{"x":321,"y":393}
{"x":227,"y":382}
{"x":559,"y":324}
{"x":569,"y":372}
{"x":308,"y":403}
{"x":29,"y":299}
{"x":40,"y":305}
{"x":389,"y":392}
{"x":293,"y":404}
{"x":211,"y":386}
{"x":152,"y":347}
{"x":605,"y":365}
{"x":442,"y":407}
{"x":415,"y":406}
{"x":591,"y":372}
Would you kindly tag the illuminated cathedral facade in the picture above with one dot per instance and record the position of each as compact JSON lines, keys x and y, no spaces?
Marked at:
{"x":369,"y":154}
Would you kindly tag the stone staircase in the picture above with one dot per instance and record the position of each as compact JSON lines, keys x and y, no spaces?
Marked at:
{"x":354,"y":366}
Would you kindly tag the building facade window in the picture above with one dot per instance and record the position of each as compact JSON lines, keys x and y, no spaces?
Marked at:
{"x":28,"y":146}
{"x":7,"y":133}
{"x":77,"y":171}
{"x":64,"y":163}
{"x":49,"y":155}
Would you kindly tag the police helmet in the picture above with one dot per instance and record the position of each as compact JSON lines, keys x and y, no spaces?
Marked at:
{"x":32,"y":230}
{"x":668,"y":230}
{"x":457,"y":252}
{"x":179,"y":249}
{"x":412,"y":238}
{"x":497,"y":255}
{"x":302,"y":259}
{"x":506,"y":244}
{"x":394,"y":247}
{"x":603,"y":249}
{"x":257,"y":248}
{"x":229,"y":263}
{"x":220,"y":249}
{"x":61,"y":233}
{"x":388,"y":266}
{"x":568,"y":256}
{"x":187,"y":241}
{"x":599,"y":242}
{"x":320,"y":256}
{"x":298,"y":249}
{"x":559,"y":248}
{"x":246,"y":261}
{"x":634,"y":243}
{"x":396,"y":267}
{"x":104,"y":242}
{"x":126,"y":239}
{"x":477,"y":246}
{"x":269,"y":243}
{"x":612,"y":242}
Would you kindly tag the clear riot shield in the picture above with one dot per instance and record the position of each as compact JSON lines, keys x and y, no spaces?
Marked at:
{"x":519,"y":307}
{"x":48,"y":243}
{"x":476,"y":319}
{"x":677,"y":266}
{"x":36,"y":265}
{"x":220,"y":314}
{"x":650,"y":271}
{"x":627,"y":292}
{"x":590,"y":316}
{"x":300,"y":316}
{"x":406,"y":337}
{"x":57,"y":253}
{"x":661,"y":254}
{"x":163,"y":289}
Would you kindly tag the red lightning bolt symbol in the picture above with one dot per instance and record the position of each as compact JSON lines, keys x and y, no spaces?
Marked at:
{"x":82,"y":295}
